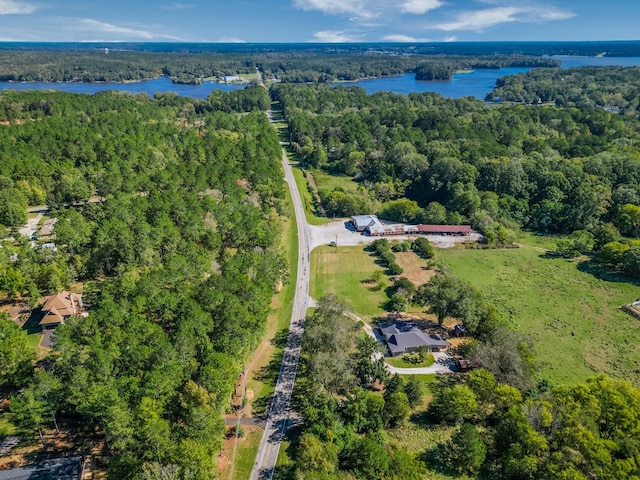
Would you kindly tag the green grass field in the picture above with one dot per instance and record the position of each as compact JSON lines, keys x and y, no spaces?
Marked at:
{"x":572,"y":316}
{"x":343,"y":274}
{"x":307,"y":199}
{"x":326,"y":181}
{"x":401,"y":362}
{"x":246,"y":452}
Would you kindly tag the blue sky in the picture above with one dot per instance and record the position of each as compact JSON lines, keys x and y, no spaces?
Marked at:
{"x":317,"y":20}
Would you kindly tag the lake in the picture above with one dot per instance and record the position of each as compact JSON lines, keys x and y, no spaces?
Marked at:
{"x":158,"y":85}
{"x":475,"y":84}
{"x":479,"y":82}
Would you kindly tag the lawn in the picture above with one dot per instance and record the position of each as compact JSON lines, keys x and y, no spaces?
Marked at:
{"x":572,"y":316}
{"x":329,"y":182}
{"x":401,"y":362}
{"x":344,"y":273}
{"x":425,"y":379}
{"x":246,"y":452}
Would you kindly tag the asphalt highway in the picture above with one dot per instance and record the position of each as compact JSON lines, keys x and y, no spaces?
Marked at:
{"x":279,"y":412}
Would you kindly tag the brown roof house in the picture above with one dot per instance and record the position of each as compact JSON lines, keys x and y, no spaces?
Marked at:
{"x":59,"y":307}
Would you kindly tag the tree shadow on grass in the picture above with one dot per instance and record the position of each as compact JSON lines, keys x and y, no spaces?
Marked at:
{"x":269,"y":373}
{"x":280,"y":338}
{"x":595,"y":270}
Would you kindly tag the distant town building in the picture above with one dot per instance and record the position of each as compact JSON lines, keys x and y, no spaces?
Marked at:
{"x":231,"y":78}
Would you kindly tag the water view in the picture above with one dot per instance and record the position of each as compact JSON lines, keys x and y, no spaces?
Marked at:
{"x":150,"y":87}
{"x":478,"y":82}
{"x":475,"y":84}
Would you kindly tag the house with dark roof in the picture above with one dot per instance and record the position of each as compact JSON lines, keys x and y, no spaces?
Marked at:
{"x":407,"y":337}
{"x":59,"y":307}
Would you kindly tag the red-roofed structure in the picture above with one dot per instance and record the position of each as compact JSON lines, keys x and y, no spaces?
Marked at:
{"x":445,"y":229}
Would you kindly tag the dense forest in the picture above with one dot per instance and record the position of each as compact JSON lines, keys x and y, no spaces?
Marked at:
{"x":179,"y":258}
{"x":494,"y":421}
{"x":613,"y":88}
{"x":121,"y":66}
{"x":427,"y":159}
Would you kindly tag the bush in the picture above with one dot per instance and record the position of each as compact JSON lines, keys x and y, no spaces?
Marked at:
{"x":398,"y":303}
{"x":388,"y":258}
{"x":404,"y":285}
{"x":401,"y":246}
{"x":422,"y":248}
{"x":395,"y":269}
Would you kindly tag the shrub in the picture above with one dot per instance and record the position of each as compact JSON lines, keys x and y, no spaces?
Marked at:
{"x":394,"y":269}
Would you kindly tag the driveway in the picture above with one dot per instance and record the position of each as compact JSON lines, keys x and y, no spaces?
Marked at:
{"x":29,"y":230}
{"x":58,"y":469}
{"x":47,"y":339}
{"x":342,"y":232}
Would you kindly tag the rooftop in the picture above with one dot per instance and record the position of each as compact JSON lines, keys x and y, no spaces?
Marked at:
{"x":401,"y":336}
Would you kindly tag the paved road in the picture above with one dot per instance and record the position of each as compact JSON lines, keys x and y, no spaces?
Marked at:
{"x":279,"y":418}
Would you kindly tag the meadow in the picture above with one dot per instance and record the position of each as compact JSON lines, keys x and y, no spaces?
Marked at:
{"x":570,"y":312}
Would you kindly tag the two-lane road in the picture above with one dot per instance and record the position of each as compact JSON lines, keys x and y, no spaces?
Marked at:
{"x":279,"y":411}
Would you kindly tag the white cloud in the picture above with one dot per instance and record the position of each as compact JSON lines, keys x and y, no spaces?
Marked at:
{"x":420,"y":7}
{"x":398,"y":37}
{"x":178,"y":6}
{"x":352,"y":7}
{"x":332,"y":36}
{"x":125,"y":32}
{"x":230,"y":40}
{"x":450,"y":38}
{"x":11,"y":7}
{"x":368,"y":9}
{"x":480,"y":20}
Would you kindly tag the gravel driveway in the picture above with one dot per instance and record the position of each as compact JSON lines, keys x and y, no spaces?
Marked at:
{"x":340,"y":231}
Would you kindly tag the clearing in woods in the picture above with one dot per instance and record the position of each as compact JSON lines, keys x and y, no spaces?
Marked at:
{"x":572,"y":315}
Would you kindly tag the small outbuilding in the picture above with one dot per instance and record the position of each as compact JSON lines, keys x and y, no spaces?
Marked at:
{"x":459,"y":331}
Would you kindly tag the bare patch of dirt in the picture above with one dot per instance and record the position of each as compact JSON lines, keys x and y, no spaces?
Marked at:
{"x":414,"y":268}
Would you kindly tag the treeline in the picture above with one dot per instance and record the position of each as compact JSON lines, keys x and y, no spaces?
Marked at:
{"x":59,"y":149}
{"x":427,"y":159}
{"x":495,"y":421}
{"x":179,"y":260}
{"x":444,"y":69}
{"x":293,"y":66}
{"x":613,"y":88}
